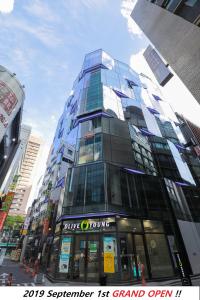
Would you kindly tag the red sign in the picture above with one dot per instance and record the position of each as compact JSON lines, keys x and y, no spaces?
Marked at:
{"x":3,"y":216}
{"x":8,"y":99}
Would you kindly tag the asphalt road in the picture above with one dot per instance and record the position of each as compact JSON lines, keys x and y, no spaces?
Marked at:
{"x":20,"y":277}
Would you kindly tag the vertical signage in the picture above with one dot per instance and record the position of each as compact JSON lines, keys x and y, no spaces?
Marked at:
{"x":109,"y":255}
{"x":46,"y":226}
{"x":185,"y":278}
{"x":3,"y":216}
{"x":65,"y":255}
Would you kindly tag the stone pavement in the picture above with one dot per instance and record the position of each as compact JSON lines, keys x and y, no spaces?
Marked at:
{"x":20,"y":277}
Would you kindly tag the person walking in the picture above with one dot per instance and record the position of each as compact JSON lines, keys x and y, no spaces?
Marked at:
{"x":10,"y":279}
{"x":142,"y":268}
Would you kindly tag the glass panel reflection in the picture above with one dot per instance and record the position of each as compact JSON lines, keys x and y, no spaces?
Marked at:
{"x":159,"y":255}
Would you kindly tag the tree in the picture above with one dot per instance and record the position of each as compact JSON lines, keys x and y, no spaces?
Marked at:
{"x":14,"y":222}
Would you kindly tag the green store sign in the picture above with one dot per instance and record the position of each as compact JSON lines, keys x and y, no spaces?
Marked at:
{"x":8,"y":244}
{"x":86,"y":225}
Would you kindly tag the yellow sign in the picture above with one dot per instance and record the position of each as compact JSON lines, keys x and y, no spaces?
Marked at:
{"x":109,"y":263}
{"x":24,"y":232}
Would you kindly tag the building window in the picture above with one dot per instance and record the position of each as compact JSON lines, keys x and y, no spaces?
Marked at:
{"x":94,"y":92}
{"x":95,"y":184}
{"x":153,"y":226}
{"x":130,"y":225}
{"x":69,"y":151}
{"x":79,"y":178}
{"x":90,"y":149}
{"x":160,"y":146}
{"x":197,"y":21}
{"x":190,"y":2}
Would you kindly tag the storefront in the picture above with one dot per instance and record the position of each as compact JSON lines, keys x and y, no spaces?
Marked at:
{"x":84,"y":249}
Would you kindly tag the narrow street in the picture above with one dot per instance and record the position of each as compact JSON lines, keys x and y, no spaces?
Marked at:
{"x":20,"y":277}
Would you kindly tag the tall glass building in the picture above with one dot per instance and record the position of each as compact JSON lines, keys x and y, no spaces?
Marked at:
{"x":130,"y":197}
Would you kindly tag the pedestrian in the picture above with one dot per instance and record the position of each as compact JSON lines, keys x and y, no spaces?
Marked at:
{"x":36,"y":266}
{"x":10,"y":279}
{"x":142,"y":268}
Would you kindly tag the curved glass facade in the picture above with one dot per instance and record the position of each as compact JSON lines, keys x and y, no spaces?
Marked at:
{"x":128,"y":164}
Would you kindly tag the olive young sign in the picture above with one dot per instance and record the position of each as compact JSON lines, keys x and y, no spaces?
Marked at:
{"x":86,"y":225}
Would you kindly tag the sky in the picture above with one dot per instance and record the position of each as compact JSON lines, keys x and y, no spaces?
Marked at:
{"x":44,"y":42}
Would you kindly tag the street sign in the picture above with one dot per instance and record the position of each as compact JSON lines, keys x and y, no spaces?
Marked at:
{"x":8,"y":244}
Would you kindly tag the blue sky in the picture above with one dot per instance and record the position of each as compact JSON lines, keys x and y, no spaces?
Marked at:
{"x":44,"y":43}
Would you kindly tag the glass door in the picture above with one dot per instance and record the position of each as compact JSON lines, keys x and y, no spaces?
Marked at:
{"x":92,"y":258}
{"x":86,"y":258}
{"x":80,"y":253}
{"x":140,"y":255}
{"x":127,"y":257}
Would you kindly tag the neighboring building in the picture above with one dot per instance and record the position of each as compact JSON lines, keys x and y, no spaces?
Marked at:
{"x":12,"y":175}
{"x":26,"y":175}
{"x":187,"y":9}
{"x":157,"y":66}
{"x":177,"y":40}
{"x":11,"y":104}
{"x":129,"y":197}
{"x":48,"y":204}
{"x":190,"y":131}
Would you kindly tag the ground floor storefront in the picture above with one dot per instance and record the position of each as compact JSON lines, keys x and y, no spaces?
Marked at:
{"x":84,"y":249}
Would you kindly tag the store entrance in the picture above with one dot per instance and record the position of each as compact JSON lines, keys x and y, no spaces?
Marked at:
{"x":86,"y":263}
{"x":132,"y":256}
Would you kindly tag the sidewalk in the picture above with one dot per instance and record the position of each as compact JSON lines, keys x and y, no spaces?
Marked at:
{"x":25,"y":278}
{"x":20,"y":277}
{"x":69,"y":283}
{"x":176,"y":282}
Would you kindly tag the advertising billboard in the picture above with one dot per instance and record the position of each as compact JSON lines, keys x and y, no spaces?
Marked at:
{"x":11,"y":97}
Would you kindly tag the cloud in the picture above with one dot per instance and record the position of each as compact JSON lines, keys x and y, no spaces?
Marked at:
{"x":44,"y":33}
{"x":6,"y":6}
{"x":41,"y":127}
{"x":21,"y":59}
{"x":41,"y":10}
{"x":93,"y":3}
{"x":126,"y":9}
{"x":89,"y":4}
{"x":139,"y":64}
{"x":175,"y":93}
{"x":53,"y":118}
